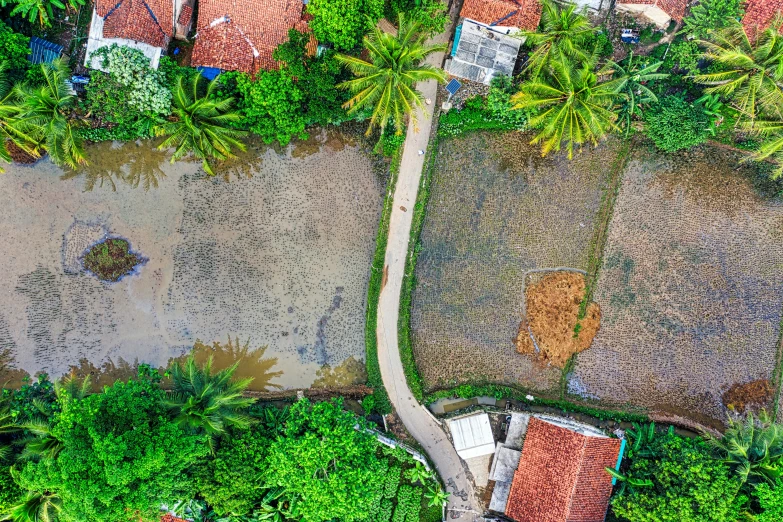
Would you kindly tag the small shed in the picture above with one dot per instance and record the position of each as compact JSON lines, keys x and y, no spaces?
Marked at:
{"x":472,"y":436}
{"x":42,"y":51}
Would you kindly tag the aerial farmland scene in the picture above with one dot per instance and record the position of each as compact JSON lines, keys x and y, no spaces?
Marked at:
{"x":391,"y":260}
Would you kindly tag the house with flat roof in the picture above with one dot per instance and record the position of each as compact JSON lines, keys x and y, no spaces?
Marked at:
{"x":486,"y":42}
{"x":659,"y":12}
{"x":759,"y":14}
{"x":558,"y":475}
{"x":146,"y":25}
{"x":241,"y":35}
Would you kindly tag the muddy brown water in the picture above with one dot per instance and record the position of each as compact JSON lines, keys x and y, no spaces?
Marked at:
{"x":273,"y":252}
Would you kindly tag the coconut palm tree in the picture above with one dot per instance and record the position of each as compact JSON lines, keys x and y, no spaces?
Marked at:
{"x":35,"y":506}
{"x":751,"y":70}
{"x":9,"y":122}
{"x":752,"y":447}
{"x":44,"y":115}
{"x":208,"y":402}
{"x":569,"y":104}
{"x":632,"y":77}
{"x":772,"y":146}
{"x":202,"y":125}
{"x":386,"y":82}
{"x":564,"y":32}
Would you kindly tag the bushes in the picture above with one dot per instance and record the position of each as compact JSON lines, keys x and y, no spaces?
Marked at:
{"x":688,"y":484}
{"x":13,"y":51}
{"x":144,"y":89}
{"x":491,"y":113}
{"x":675,"y":124}
{"x":279,"y":105}
{"x":343,"y":23}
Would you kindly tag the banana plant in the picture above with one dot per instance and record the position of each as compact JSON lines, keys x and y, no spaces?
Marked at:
{"x":626,"y":481}
{"x":436,"y":496}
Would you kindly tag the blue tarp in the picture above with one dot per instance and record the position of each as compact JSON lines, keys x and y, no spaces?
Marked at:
{"x":457,"y":34}
{"x":210,"y":73}
{"x":42,"y":51}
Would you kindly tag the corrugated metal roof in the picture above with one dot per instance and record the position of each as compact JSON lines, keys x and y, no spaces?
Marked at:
{"x":472,"y":436}
{"x":42,"y":51}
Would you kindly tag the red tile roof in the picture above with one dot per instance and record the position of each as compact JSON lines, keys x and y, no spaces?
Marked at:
{"x":561,"y":476}
{"x":148,"y":21}
{"x":674,"y":8}
{"x":171,"y":518}
{"x":525,"y":14}
{"x":240,"y":35}
{"x":759,"y":14}
{"x":185,"y":15}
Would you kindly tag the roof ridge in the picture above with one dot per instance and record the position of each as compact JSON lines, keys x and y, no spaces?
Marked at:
{"x":584,"y":441}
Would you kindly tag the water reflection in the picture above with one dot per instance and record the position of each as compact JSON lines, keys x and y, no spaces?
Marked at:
{"x":134,"y":164}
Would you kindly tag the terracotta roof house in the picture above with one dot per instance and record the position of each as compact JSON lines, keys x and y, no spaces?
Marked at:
{"x":240,"y":35}
{"x":561,"y":475}
{"x":518,"y":14}
{"x":759,"y":14}
{"x":659,"y":12}
{"x":147,"y":25}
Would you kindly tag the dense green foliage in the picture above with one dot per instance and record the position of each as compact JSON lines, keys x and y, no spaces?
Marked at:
{"x":674,"y":124}
{"x":687,"y":484}
{"x":120,"y":456}
{"x":342,"y":23}
{"x":13,"y":51}
{"x":279,"y":105}
{"x":711,"y":15}
{"x":385,"y":83}
{"x":325,"y":464}
{"x":143,"y":88}
{"x":770,"y":499}
{"x":494,"y":112}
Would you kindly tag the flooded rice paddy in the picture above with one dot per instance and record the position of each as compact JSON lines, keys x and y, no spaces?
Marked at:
{"x":691,"y":287}
{"x":270,"y":267}
{"x":497,"y":211}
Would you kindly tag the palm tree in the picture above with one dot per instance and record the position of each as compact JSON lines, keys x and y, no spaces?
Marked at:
{"x":9,"y":123}
{"x":772,"y":147}
{"x":569,"y":104}
{"x":386,"y":83}
{"x":203,"y":124}
{"x":35,"y":506}
{"x":751,"y":74}
{"x":753,"y":448}
{"x":44,"y":115}
{"x":633,"y":76}
{"x":564,"y":31}
{"x":42,"y":9}
{"x":41,"y":442}
{"x":207,"y":402}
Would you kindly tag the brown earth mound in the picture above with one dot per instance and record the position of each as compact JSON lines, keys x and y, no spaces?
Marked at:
{"x":552,"y":312}
{"x":18,"y":155}
{"x":756,"y":394}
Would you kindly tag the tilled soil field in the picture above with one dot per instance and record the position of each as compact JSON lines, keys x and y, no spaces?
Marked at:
{"x":691,"y":287}
{"x":497,"y":211}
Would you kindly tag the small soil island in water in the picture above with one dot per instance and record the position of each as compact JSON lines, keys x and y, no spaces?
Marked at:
{"x":111,"y":259}
{"x":552,"y":317}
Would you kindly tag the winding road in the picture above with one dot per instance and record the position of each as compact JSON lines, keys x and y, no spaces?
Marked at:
{"x":420,"y":423}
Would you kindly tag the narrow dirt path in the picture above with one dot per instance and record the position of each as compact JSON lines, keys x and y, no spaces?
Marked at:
{"x":419,"y":422}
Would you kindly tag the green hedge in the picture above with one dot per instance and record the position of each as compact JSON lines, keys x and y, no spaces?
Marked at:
{"x":379,"y":400}
{"x":498,"y":391}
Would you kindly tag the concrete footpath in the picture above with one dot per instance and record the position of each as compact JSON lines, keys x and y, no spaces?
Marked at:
{"x":463,"y":504}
